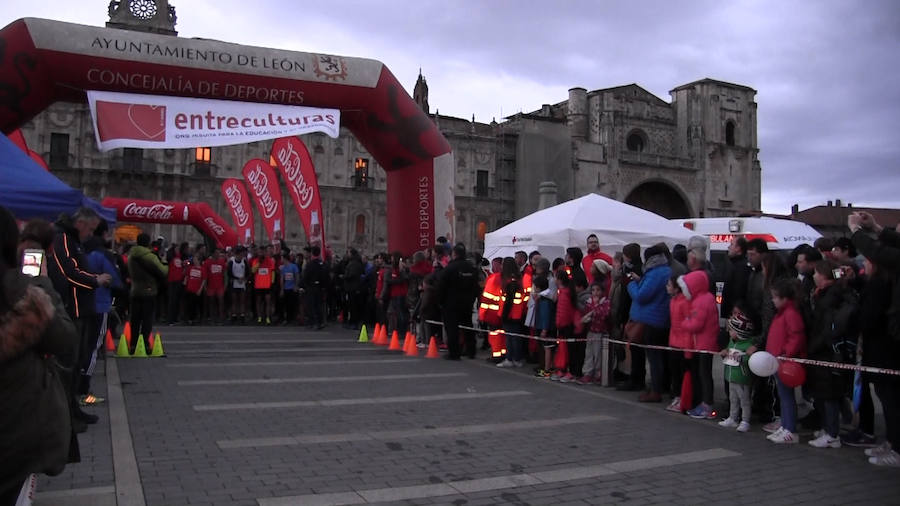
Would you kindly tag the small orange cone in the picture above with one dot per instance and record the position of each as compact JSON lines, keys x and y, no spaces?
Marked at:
{"x":127,"y":333}
{"x":376,"y":334}
{"x":395,"y":342}
{"x":433,"y":349}
{"x":110,"y":345}
{"x":411,"y":350}
{"x":406,"y":340}
{"x":383,"y":340}
{"x":150,"y":342}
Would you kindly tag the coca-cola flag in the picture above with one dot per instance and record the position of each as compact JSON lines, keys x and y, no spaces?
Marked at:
{"x":296,"y":166}
{"x":235,"y":195}
{"x":263,"y":185}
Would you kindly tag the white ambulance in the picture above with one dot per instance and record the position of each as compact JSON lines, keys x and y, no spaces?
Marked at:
{"x":780,"y":235}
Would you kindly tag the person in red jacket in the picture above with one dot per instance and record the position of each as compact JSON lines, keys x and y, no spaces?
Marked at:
{"x":594,"y":253}
{"x":679,"y":337}
{"x":214,"y":271}
{"x":786,"y":338}
{"x":194,"y":283}
{"x":702,"y":321}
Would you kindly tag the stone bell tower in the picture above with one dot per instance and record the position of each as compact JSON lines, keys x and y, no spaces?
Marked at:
{"x":154,"y":16}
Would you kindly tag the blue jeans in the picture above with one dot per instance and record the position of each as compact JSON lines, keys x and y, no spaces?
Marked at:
{"x":515,"y":346}
{"x":788,"y":405}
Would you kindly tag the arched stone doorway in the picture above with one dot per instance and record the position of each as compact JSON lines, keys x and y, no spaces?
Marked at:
{"x":659,"y":198}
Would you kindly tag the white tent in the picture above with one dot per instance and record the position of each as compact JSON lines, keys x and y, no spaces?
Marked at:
{"x":556,"y":228}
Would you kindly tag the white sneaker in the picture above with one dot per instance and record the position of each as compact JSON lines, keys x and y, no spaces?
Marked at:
{"x":785,"y":437}
{"x":506,"y":363}
{"x":772,"y":426}
{"x":889,"y":458}
{"x":878,"y":450}
{"x":743,"y":427}
{"x":777,"y":433}
{"x":675,"y":405}
{"x":818,"y":433}
{"x":728,"y":422}
{"x":826,"y":441}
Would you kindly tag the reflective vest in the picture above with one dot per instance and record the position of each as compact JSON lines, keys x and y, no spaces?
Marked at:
{"x":490,"y":306}
{"x":519,"y":302}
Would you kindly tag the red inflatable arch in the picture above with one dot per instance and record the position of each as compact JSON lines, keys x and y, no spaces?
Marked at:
{"x":42,"y":61}
{"x":198,"y":214}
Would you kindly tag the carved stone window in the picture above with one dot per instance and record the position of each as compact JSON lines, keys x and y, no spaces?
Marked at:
{"x":729,"y":133}
{"x":636,"y":141}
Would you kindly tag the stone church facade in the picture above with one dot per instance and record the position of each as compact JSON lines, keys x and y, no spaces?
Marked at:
{"x":693,"y":156}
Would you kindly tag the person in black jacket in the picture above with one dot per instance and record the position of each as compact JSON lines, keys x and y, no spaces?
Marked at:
{"x":457,"y":289}
{"x":881,"y":346}
{"x":315,"y":285}
{"x":66,"y":266}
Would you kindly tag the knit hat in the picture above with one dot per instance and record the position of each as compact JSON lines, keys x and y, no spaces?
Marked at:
{"x":652,"y":251}
{"x":698,"y":244}
{"x":602,"y":266}
{"x":741,"y":325}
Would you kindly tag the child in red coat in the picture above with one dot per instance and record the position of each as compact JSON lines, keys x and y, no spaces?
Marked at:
{"x":702,"y":321}
{"x":786,"y":338}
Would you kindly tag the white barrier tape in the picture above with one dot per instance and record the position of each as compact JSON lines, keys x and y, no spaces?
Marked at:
{"x":821,"y":363}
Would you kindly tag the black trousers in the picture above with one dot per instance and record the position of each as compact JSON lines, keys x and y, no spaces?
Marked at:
{"x":143,"y":311}
{"x":314,"y":306}
{"x":291,"y":305}
{"x":452,"y":321}
{"x":888,"y":391}
{"x":176,"y":291}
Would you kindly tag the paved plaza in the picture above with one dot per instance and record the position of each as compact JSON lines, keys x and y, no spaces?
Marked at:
{"x":281,"y":416}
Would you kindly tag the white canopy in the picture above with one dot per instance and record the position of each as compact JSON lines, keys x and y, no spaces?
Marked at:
{"x":556,"y":228}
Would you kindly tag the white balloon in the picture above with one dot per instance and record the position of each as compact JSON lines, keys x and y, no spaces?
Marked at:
{"x":763,"y":364}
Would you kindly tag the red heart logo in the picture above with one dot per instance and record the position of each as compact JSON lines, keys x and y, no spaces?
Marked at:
{"x":150,"y":120}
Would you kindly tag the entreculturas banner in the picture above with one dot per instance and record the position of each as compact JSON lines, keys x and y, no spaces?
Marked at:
{"x":125,"y":120}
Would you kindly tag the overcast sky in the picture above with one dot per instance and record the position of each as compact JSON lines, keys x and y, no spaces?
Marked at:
{"x":827,"y":73}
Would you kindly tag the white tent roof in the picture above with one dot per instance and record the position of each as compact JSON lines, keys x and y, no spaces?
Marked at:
{"x":556,"y":228}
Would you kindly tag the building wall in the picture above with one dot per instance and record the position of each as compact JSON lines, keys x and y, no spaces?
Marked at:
{"x":581,"y":144}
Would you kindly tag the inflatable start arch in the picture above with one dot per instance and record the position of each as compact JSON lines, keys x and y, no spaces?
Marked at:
{"x":42,"y":61}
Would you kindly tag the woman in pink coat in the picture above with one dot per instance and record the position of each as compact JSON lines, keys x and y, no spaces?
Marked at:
{"x":702,"y":321}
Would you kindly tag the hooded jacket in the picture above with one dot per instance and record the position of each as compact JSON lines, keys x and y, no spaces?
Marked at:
{"x":787,"y":334}
{"x":679,"y":337}
{"x":35,"y":431}
{"x":146,"y":270}
{"x":649,"y":299}
{"x":702,"y":319}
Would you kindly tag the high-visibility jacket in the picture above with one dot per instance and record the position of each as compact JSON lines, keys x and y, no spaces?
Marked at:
{"x":490,"y":307}
{"x":519,"y":304}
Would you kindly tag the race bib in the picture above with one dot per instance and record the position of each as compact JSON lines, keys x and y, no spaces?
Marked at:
{"x":288,"y":276}
{"x":196,"y":273}
{"x":263,"y":271}
{"x":215,"y":269}
{"x":177,"y":262}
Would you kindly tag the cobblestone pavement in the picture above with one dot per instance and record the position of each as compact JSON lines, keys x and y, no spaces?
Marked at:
{"x":281,"y":416}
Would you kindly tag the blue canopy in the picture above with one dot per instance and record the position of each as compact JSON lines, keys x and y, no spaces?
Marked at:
{"x":29,"y":191}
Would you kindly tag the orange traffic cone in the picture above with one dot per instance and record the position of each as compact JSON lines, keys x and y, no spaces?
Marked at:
{"x":406,"y":340}
{"x":110,"y":345}
{"x":411,"y":349}
{"x":376,"y":334}
{"x":127,"y":333}
{"x":433,"y":349}
{"x":150,"y":342}
{"x":395,"y":342}
{"x":383,"y":341}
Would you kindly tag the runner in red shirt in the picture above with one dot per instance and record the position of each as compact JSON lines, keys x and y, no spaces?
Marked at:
{"x":214,"y":272}
{"x":194,"y":283}
{"x":594,"y":253}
